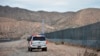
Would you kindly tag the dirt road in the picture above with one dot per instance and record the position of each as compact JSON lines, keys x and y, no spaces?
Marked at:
{"x":19,"y":48}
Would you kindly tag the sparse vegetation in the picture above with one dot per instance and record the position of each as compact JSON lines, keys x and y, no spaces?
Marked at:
{"x":88,"y":53}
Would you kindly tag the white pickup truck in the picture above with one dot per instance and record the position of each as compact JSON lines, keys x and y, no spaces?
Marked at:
{"x":37,"y":42}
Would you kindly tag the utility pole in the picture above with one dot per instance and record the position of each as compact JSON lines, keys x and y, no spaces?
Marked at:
{"x":43,"y":30}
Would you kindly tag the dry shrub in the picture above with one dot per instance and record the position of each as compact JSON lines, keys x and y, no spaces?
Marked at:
{"x":87,"y":53}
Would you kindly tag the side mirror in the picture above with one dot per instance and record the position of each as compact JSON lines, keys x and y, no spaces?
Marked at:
{"x":28,"y":39}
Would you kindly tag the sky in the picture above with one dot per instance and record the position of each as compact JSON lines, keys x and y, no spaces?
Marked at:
{"x":52,"y":5}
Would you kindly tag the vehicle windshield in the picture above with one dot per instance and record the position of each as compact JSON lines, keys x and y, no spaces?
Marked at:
{"x":39,"y":38}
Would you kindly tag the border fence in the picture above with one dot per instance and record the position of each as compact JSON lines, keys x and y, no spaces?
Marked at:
{"x":88,"y":36}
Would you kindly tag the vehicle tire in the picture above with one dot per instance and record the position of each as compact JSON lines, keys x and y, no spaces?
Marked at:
{"x":44,"y":49}
{"x":29,"y":49}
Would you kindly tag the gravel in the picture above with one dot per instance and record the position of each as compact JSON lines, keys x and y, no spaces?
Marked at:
{"x":19,"y":48}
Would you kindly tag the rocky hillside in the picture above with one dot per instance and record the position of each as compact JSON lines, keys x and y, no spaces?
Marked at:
{"x":18,"y":21}
{"x":60,"y":20}
{"x":10,"y":28}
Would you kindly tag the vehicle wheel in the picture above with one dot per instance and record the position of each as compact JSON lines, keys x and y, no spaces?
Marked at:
{"x":44,"y":49}
{"x":29,"y":49}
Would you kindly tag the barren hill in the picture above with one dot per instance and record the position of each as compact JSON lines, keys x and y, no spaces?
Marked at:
{"x":16,"y":29}
{"x":25,"y":21}
{"x":65,"y":20}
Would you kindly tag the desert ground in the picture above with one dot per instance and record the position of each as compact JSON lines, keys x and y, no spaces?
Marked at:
{"x":19,"y":48}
